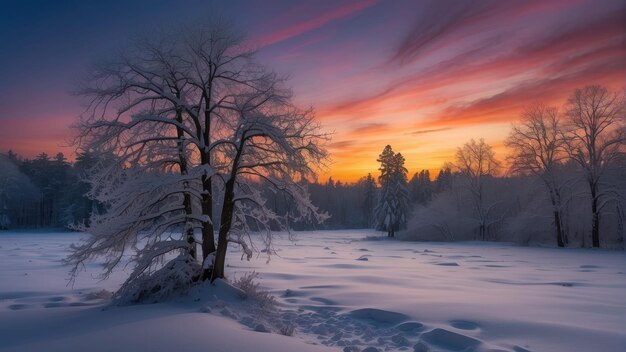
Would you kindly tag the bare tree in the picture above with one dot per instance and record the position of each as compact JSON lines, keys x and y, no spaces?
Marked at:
{"x":192,"y":119}
{"x":538,"y":148}
{"x":596,"y":138}
{"x":269,"y":143}
{"x":476,"y":163}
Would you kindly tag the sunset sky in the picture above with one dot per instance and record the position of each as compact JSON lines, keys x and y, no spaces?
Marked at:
{"x":423,"y":76}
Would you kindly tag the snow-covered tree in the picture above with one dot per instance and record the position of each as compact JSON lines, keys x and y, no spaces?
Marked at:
{"x":392,"y":209}
{"x":596,"y":140}
{"x":476,"y":162}
{"x":538,"y":148}
{"x":191,"y":119}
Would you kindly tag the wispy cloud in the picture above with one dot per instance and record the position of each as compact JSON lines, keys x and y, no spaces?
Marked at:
{"x":432,"y":130}
{"x":301,"y":27}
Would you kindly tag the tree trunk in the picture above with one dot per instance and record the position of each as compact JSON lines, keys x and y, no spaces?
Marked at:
{"x":595,"y":225}
{"x":560,"y":239}
{"x":189,"y":235}
{"x":208,"y":237}
{"x":482,"y":231}
{"x":182,"y":159}
{"x":559,"y":231}
{"x":225,"y":224}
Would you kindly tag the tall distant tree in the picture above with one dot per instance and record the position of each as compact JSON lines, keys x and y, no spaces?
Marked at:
{"x":16,"y":190}
{"x":420,"y":187}
{"x":77,"y":205}
{"x":538,"y":147}
{"x":443,"y":180}
{"x":596,"y":139}
{"x":51,"y":176}
{"x":369,"y":199}
{"x":476,"y":163}
{"x":392,"y":209}
{"x":192,"y":119}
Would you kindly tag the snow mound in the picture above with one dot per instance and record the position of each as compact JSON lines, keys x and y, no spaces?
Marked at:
{"x":174,"y":278}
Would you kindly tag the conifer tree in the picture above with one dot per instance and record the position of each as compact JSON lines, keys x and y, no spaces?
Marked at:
{"x":391,"y":211}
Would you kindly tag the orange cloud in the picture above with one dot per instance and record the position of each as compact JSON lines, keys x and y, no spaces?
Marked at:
{"x":474,"y":92}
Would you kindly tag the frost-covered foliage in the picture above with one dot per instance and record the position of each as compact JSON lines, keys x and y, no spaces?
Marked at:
{"x":523,"y":213}
{"x":453,"y":214}
{"x":538,"y":149}
{"x":476,"y":162}
{"x":566,"y":187}
{"x":392,"y":210}
{"x":596,"y":141}
{"x":142,"y":212}
{"x":466,"y":206}
{"x":198,"y":130}
{"x":175,"y":277}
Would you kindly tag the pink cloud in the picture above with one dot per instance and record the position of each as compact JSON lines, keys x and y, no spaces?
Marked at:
{"x":314,"y":23}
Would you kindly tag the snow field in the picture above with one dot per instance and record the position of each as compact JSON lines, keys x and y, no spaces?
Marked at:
{"x":336,"y":291}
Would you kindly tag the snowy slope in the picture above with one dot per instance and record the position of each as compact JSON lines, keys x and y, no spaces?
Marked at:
{"x":334,"y":288}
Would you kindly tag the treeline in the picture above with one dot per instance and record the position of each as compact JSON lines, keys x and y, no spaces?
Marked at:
{"x":517,"y":208}
{"x":563,"y":183}
{"x":50,"y":192}
{"x":43,"y":192}
{"x":352,"y":205}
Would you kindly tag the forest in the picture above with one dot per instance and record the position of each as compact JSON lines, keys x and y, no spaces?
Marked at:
{"x":563,"y":183}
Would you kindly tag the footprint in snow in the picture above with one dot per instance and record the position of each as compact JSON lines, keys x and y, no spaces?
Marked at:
{"x":323,"y":300}
{"x":464,"y":324}
{"x":410,"y":326}
{"x":450,"y":340}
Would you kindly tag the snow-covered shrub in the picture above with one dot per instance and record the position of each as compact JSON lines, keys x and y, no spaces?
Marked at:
{"x":442,"y":220}
{"x":252,"y":291}
{"x":174,"y":278}
{"x":99,"y":295}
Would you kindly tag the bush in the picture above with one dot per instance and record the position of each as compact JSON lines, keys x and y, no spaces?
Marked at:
{"x":252,"y":291}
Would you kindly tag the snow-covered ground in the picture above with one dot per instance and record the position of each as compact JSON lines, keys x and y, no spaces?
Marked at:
{"x":337,"y":290}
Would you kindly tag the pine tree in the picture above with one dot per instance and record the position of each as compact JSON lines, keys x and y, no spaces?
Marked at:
{"x":392,"y":209}
{"x":420,"y":188}
{"x":444,"y":180}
